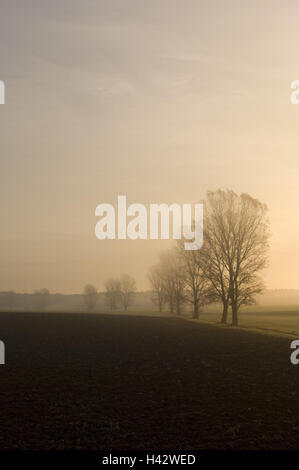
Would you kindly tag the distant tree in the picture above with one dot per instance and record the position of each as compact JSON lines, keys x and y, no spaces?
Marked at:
{"x":174,"y":280}
{"x":127,"y":290}
{"x":157,"y":282}
{"x":40,"y":299}
{"x":90,"y":295}
{"x":198,"y":289}
{"x":113,"y":293}
{"x":164,"y":269}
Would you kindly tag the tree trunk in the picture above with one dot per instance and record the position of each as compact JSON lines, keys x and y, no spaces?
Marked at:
{"x":195,"y":311}
{"x":234,"y":314}
{"x":224,"y":313}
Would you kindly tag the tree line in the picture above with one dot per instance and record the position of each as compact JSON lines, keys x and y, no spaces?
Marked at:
{"x":119,"y":293}
{"x":227,"y":269}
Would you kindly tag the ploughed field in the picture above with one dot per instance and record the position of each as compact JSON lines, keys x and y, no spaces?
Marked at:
{"x":83,"y":381}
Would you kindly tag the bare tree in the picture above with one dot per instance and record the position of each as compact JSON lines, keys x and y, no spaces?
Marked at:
{"x":167,"y":281}
{"x":90,"y":296}
{"x":198,"y":289}
{"x":40,"y":299}
{"x":113,"y":292}
{"x":174,"y":280}
{"x":179,"y":283}
{"x":215,"y":265}
{"x":157,"y":282}
{"x":240,"y":231}
{"x":127,"y":290}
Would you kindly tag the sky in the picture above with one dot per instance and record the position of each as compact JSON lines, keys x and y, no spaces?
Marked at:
{"x":156,"y":100}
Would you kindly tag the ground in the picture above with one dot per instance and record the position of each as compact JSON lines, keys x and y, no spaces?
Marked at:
{"x":88,"y":381}
{"x":281,"y":319}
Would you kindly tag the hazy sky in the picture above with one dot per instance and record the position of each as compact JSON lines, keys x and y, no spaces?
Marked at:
{"x":158,"y":100}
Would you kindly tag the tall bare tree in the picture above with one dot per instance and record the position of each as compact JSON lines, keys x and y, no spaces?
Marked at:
{"x":239,"y":228}
{"x":90,"y":295}
{"x":215,"y":267}
{"x":127,"y":290}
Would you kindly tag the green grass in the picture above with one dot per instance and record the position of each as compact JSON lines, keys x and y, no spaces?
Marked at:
{"x":278,"y":319}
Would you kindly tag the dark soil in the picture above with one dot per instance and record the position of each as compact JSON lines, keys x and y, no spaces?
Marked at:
{"x":75,"y":381}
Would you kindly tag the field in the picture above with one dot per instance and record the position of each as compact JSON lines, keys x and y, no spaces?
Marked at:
{"x":140,"y":382}
{"x":282,"y":320}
